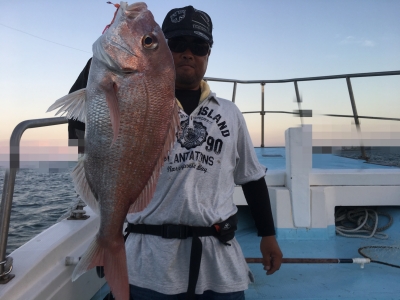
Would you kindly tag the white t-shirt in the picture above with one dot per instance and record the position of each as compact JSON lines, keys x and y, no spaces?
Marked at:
{"x":212,"y":154}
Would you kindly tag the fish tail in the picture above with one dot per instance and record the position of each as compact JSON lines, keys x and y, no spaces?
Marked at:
{"x":113,"y":259}
{"x":116,"y":271}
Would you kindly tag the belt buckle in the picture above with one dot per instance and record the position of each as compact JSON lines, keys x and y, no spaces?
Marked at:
{"x":170,"y":231}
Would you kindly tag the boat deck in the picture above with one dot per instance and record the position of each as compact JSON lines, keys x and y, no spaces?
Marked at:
{"x":322,"y":281}
{"x":275,"y":159}
{"x":318,"y":281}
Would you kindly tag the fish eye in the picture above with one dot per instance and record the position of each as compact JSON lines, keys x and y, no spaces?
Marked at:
{"x":149,"y":41}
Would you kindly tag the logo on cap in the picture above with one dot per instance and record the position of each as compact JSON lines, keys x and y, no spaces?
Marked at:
{"x":178,"y":16}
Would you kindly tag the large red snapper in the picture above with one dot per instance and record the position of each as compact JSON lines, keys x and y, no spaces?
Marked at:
{"x":131,"y":118}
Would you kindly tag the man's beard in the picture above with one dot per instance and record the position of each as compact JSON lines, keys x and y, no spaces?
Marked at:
{"x":186,"y":80}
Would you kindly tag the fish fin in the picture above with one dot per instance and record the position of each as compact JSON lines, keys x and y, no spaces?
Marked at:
{"x":94,"y":256}
{"x":73,"y":105}
{"x":82,"y":186}
{"x":147,"y":194}
{"x":110,"y":89}
{"x":114,"y":261}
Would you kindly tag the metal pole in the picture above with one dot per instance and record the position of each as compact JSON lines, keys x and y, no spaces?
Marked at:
{"x":9,"y":180}
{"x":5,"y":213}
{"x":298,"y":102}
{"x":370,"y":74}
{"x":355,"y":114}
{"x":262,"y":113}
{"x":234,"y":92}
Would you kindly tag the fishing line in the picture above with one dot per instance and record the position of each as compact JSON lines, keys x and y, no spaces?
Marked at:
{"x":44,"y":39}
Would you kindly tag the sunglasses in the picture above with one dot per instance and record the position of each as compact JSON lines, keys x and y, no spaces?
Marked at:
{"x":196,"y":47}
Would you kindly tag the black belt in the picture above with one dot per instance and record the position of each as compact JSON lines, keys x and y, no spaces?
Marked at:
{"x":168,"y":231}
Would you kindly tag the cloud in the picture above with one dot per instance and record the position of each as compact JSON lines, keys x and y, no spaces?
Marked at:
{"x":368,"y":43}
{"x":351,"y":40}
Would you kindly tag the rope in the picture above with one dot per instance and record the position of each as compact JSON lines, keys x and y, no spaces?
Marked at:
{"x":356,"y":223}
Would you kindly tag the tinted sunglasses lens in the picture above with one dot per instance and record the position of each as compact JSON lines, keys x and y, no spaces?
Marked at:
{"x":199,"y":49}
{"x":177,"y":46}
{"x":181,"y":46}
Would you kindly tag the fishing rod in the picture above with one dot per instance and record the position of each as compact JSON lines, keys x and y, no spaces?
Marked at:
{"x":385,"y":255}
{"x":361,"y":261}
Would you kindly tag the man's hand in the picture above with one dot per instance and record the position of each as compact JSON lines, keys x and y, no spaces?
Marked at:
{"x":272,"y":254}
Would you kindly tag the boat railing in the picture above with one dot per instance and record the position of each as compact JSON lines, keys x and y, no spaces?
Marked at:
{"x":8,"y":188}
{"x":10,"y":175}
{"x":308,"y":113}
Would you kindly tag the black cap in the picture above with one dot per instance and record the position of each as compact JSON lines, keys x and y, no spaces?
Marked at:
{"x":188,"y":21}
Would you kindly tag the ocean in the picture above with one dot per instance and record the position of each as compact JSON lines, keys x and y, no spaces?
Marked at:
{"x":44,"y":191}
{"x":41,"y":197}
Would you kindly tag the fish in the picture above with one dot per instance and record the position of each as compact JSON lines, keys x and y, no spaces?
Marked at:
{"x":131,"y":118}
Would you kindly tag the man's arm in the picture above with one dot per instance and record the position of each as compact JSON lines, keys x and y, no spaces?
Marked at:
{"x":76,"y":129}
{"x":257,"y":197}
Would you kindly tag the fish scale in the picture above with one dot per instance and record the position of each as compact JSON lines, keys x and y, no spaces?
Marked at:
{"x":131,"y":119}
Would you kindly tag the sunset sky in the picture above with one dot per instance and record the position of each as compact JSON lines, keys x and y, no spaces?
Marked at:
{"x":45,"y":45}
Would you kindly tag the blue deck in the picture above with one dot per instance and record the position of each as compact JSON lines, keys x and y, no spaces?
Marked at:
{"x":318,"y":281}
{"x":275,"y":159}
{"x":322,"y":281}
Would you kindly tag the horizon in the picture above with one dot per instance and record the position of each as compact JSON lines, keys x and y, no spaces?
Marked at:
{"x":48,"y":44}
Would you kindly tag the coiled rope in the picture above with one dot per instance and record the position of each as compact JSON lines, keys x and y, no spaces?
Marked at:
{"x":361,"y":223}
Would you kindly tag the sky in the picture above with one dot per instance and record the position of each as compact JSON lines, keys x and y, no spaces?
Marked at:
{"x":45,"y":45}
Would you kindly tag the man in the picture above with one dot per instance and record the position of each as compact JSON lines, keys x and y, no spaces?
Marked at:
{"x":183,"y":243}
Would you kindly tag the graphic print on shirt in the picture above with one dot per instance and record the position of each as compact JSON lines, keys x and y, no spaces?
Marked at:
{"x":191,"y":136}
{"x":201,"y":139}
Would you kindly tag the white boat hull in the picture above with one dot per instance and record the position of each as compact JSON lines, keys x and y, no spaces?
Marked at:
{"x":39,"y":265}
